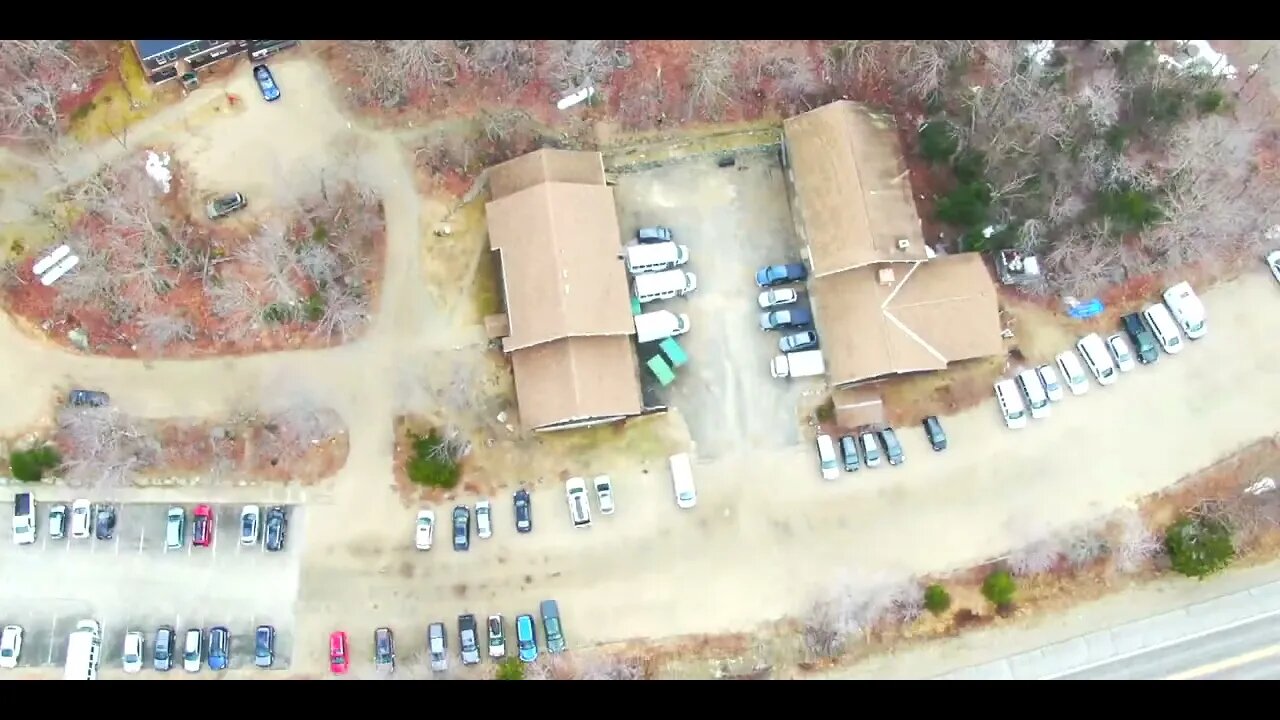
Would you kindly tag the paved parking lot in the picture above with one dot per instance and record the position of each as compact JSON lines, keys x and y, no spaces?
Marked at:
{"x":734,"y":220}
{"x":132,"y":582}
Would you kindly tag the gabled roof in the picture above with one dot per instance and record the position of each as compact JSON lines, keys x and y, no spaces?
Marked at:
{"x":576,"y":379}
{"x":546,"y":165}
{"x":853,"y":195}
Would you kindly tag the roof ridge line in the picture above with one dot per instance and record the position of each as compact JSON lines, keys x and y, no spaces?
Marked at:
{"x":884,"y":305}
{"x":912,"y":334}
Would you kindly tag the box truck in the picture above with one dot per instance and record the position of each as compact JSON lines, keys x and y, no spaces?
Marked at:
{"x":664,"y":285}
{"x":798,"y":364}
{"x":660,"y":324}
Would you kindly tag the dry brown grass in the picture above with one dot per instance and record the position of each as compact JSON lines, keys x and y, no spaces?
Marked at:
{"x":910,"y":399}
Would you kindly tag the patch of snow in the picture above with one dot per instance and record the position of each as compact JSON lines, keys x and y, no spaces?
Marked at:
{"x":1039,"y":51}
{"x":1199,"y":56}
{"x":158,"y":169}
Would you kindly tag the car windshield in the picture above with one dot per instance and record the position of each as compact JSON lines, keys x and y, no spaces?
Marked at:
{"x":6,"y":652}
{"x":553,"y":627}
{"x":248,"y":524}
{"x":686,"y":496}
{"x":1016,"y":415}
{"x":1196,"y":327}
{"x":424,"y":522}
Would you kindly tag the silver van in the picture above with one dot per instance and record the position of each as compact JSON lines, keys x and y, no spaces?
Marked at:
{"x":664,"y":285}
{"x":174,"y":528}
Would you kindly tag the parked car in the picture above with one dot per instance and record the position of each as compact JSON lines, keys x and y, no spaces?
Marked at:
{"x":1120,"y":351}
{"x":849,"y":449}
{"x":870,"y":449}
{"x":277,"y":529}
{"x":191,"y":650}
{"x":424,"y":529}
{"x":132,"y":657}
{"x":437,"y":646}
{"x":656,"y":234}
{"x":793,"y":318}
{"x":1049,"y":379}
{"x":497,"y":637}
{"x":104,"y":526}
{"x":526,"y":639}
{"x":484,"y":521}
{"x":776,"y":297}
{"x":827,"y":457}
{"x":339,"y":661}
{"x":797,"y":342}
{"x":384,"y":650}
{"x":934,"y":432}
{"x":25,"y":511}
{"x":57,"y":522}
{"x":224,"y":205}
{"x":551,"y":626}
{"x":892,"y":448}
{"x":575,"y":492}
{"x":468,"y":641}
{"x":249,"y":525}
{"x":781,"y":274}
{"x":524,"y":512}
{"x":175,"y":524}
{"x":266,"y":83}
{"x":1072,"y":372}
{"x":219,"y":648}
{"x":1033,"y":390}
{"x":202,"y":526}
{"x":1144,"y":343}
{"x":162,"y":656}
{"x":604,"y":494}
{"x":88,"y":398}
{"x":264,"y":646}
{"x":1273,"y":263}
{"x":461,"y":528}
{"x":80,"y":519}
{"x":1187,"y":310}
{"x":10,"y":646}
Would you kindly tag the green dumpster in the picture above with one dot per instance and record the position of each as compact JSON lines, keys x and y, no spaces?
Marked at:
{"x":661,"y":370}
{"x":635,"y":305}
{"x":674,"y":352}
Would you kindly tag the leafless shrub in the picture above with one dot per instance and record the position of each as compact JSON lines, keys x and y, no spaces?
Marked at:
{"x":346,"y":312}
{"x":103,"y":447}
{"x":1035,"y":558}
{"x":577,"y":63}
{"x":161,"y":329}
{"x":270,"y":252}
{"x":1085,"y":545}
{"x":611,"y":667}
{"x":291,"y":433}
{"x":925,"y":64}
{"x":35,"y":75}
{"x":1101,"y":98}
{"x":858,"y":604}
{"x":512,"y":58}
{"x":1135,"y":543}
{"x":551,"y":667}
{"x":236,"y":302}
{"x":1082,"y":261}
{"x":712,"y":78}
{"x":319,"y":263}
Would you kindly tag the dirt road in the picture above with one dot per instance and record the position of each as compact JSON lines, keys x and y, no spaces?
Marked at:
{"x":767,"y":533}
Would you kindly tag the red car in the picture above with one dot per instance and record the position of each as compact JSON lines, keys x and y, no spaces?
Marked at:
{"x":338,"y":661}
{"x":202,"y":533}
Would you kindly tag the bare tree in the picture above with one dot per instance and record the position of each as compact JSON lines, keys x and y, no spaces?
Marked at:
{"x":1135,"y":543}
{"x":859,"y":603}
{"x":1035,"y":558}
{"x":236,"y":302}
{"x":611,"y":667}
{"x":712,"y":78}
{"x":346,"y":312}
{"x":578,"y":63}
{"x":103,"y":447}
{"x":1101,"y":97}
{"x":513,"y":59}
{"x":35,"y":75}
{"x":319,"y":263}
{"x":270,"y":253}
{"x":161,"y":329}
{"x":291,"y":433}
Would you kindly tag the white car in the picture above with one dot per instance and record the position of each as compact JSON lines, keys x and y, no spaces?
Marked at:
{"x":1120,"y":351}
{"x":778,"y":296}
{"x":191,"y":648}
{"x":57,"y":522}
{"x":80,"y":519}
{"x":133,"y":652}
{"x":870,"y":449}
{"x":1273,"y":262}
{"x":827,"y":458}
{"x":575,"y":491}
{"x":1072,"y":372}
{"x":484,"y":520}
{"x":604,"y":494}
{"x":249,"y":525}
{"x":1049,"y":379}
{"x":424,"y":529}
{"x":10,"y":646}
{"x":1187,"y":310}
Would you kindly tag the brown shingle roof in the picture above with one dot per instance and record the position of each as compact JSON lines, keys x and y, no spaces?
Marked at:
{"x":853,"y":196}
{"x":576,"y":379}
{"x":934,"y":313}
{"x":546,"y":165}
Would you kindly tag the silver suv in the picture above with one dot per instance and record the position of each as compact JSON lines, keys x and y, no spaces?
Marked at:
{"x":437,"y":646}
{"x":470,"y":649}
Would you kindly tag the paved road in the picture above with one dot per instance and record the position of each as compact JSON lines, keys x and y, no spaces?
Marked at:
{"x":1250,"y":651}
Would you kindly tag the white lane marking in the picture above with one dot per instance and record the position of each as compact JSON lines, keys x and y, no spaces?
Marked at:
{"x":117,"y":543}
{"x":53,"y":638}
{"x":1227,"y":664}
{"x":141,"y":540}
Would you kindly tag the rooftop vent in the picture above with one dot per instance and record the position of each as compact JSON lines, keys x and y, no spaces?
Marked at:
{"x":886,"y":276}
{"x":904,"y":243}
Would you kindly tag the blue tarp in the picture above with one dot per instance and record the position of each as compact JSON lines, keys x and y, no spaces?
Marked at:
{"x":1086,"y":309}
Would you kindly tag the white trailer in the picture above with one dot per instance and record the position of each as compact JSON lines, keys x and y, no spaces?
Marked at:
{"x":655,"y":257}
{"x":50,"y":260}
{"x":660,"y":324}
{"x":798,"y":364}
{"x":62,"y":268}
{"x":84,"y":650}
{"x":664,"y":285}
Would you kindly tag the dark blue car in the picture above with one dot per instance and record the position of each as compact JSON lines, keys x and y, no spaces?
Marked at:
{"x":266,"y":83}
{"x":781,"y":274}
{"x":219,"y":644}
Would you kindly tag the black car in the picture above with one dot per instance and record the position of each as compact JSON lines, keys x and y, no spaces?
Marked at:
{"x":162,"y":658}
{"x":277,"y":525}
{"x":264,"y":646}
{"x":524,"y":511}
{"x":1144,"y":343}
{"x":88,"y":398}
{"x":790,"y":318}
{"x":933,"y":430}
{"x":807,"y":340}
{"x":384,"y":650}
{"x":781,"y":274}
{"x":892,"y":448}
{"x":849,"y":448}
{"x":105,"y":523}
{"x":461,"y":528}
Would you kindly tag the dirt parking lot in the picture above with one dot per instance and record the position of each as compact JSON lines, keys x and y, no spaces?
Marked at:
{"x":735,"y":220}
{"x":132,"y":582}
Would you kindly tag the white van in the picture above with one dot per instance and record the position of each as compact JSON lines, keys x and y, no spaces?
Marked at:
{"x":1072,"y":373}
{"x":24,"y":518}
{"x":682,"y":481}
{"x":660,"y":324}
{"x":1187,"y":309}
{"x":655,"y":257}
{"x":664,"y":285}
{"x":1164,"y":328}
{"x":1098,"y":358}
{"x":827,"y":457}
{"x":84,"y":650}
{"x":1011,"y":407}
{"x":575,"y":490}
{"x":1033,"y":389}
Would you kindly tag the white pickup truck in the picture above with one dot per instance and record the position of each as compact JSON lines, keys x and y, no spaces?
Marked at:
{"x":798,"y":364}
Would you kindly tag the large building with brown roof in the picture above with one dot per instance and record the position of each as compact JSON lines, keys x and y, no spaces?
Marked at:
{"x":883,"y":303}
{"x":553,"y":223}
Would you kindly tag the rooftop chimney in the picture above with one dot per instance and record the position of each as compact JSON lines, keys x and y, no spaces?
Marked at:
{"x":885,"y":275}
